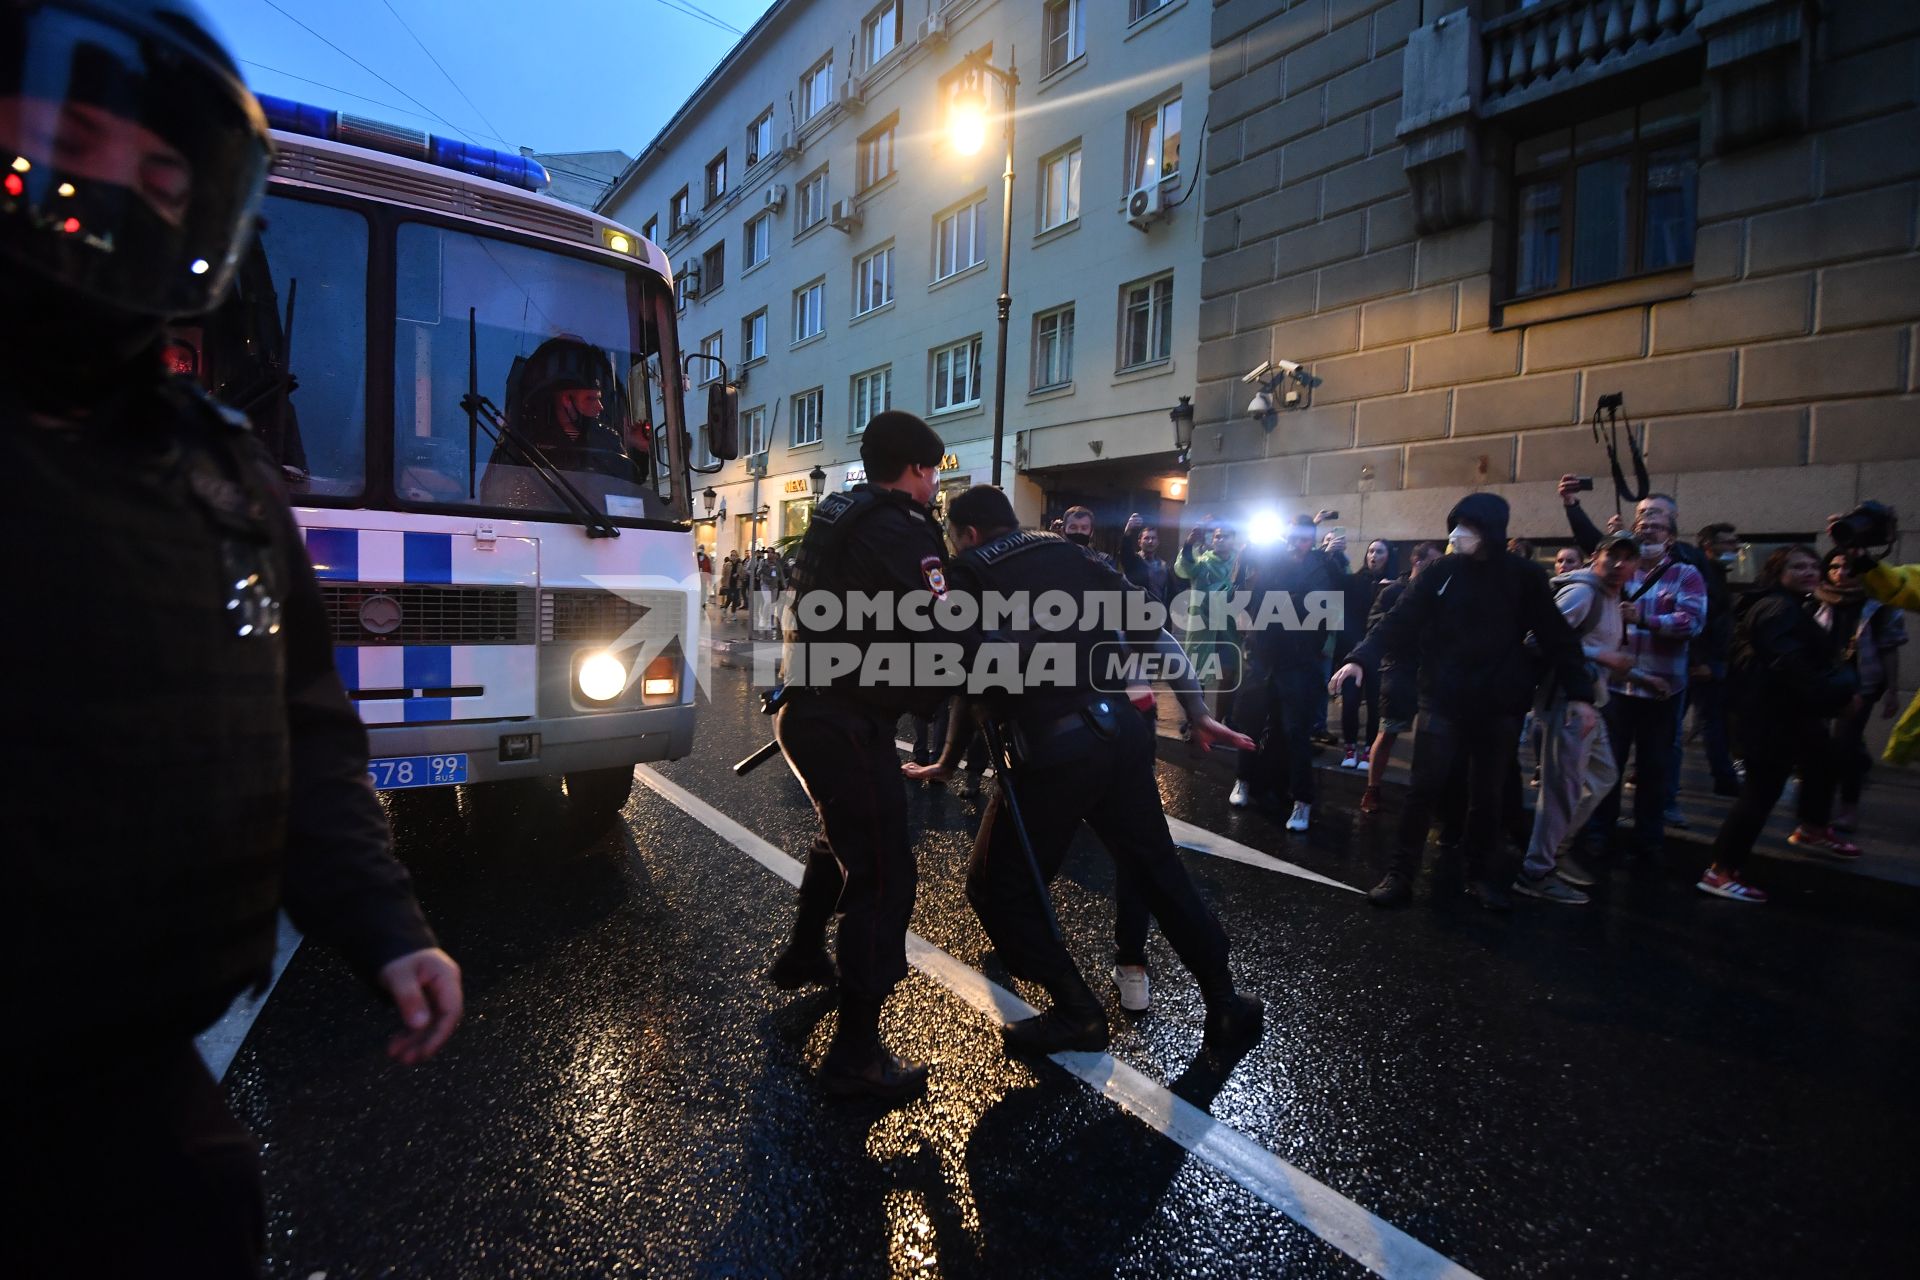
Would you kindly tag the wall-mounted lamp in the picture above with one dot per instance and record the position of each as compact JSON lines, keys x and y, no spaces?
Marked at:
{"x":817,"y":481}
{"x":708,"y":498}
{"x":1182,"y":418}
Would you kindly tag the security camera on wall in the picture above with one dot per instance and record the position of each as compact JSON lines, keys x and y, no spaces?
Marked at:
{"x":1272,"y":375}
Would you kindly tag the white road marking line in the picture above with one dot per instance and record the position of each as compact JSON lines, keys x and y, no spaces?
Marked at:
{"x":221,"y":1041}
{"x":1213,"y":844}
{"x":1370,"y":1240}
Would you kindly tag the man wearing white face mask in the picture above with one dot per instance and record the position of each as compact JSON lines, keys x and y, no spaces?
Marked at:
{"x":1466,"y":619}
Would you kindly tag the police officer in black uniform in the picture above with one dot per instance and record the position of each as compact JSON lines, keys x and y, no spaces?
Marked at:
{"x":837,"y":731}
{"x":1082,"y":755}
{"x":186,"y":761}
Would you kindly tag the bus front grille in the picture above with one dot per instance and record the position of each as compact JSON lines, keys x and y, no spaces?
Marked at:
{"x":359,"y":614}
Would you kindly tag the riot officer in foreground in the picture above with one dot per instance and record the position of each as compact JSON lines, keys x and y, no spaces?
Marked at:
{"x":1081,"y":754}
{"x":187,"y":762}
{"x":837,"y":732}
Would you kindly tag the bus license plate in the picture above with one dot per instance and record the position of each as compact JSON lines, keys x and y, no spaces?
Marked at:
{"x":417,"y":771}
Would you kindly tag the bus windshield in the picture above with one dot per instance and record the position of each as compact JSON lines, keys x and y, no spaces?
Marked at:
{"x":566,"y":355}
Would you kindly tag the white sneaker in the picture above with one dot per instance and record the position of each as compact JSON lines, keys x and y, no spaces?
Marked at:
{"x":1364,"y":765}
{"x":1298,"y":820}
{"x":1132,"y":981}
{"x":1239,"y":797}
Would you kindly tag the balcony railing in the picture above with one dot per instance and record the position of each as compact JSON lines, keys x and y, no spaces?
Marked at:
{"x":1546,"y":48}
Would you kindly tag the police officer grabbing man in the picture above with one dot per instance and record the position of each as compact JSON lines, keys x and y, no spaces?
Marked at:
{"x":836,"y":727}
{"x":187,"y":761}
{"x":1082,"y":755}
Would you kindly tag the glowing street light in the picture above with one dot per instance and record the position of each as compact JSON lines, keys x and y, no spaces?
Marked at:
{"x":969,"y":121}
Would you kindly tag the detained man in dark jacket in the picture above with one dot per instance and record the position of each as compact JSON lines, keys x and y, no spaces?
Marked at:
{"x":1466,"y":620}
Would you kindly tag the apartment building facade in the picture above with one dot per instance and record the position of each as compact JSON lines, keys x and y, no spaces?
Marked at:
{"x":839,"y":253}
{"x":1467,"y":222}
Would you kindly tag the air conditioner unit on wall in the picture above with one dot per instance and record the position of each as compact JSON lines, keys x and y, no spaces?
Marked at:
{"x":690,"y":278}
{"x":932,"y":29}
{"x":776,"y":197}
{"x":789,"y":147}
{"x":845,"y":215}
{"x":850,"y":95}
{"x":1146,"y":206}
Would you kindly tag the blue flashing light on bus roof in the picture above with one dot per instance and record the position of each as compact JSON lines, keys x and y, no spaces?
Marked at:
{"x":503,"y":167}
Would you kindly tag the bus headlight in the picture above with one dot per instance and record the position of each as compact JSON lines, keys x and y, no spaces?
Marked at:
{"x":602,"y":677}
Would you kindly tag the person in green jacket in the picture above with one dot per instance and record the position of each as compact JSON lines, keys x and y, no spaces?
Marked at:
{"x":1898,"y":587}
{"x":1206,"y":565}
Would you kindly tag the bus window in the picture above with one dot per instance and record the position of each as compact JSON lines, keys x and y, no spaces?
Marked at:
{"x":552,"y":343}
{"x":288,"y":348}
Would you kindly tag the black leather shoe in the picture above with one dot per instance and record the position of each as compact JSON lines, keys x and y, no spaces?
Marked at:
{"x":1234,"y":1023}
{"x":1490,"y":894}
{"x":1394,"y":890}
{"x":877,"y":1074}
{"x":1056,"y":1032}
{"x":801,"y":965}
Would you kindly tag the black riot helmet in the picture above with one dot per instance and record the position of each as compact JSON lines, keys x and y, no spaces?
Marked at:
{"x":132,"y":158}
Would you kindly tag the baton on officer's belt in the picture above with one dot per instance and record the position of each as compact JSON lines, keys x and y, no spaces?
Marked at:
{"x":770,"y":701}
{"x":1003,"y":766}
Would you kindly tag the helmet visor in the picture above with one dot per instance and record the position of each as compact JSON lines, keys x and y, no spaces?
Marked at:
{"x":131,"y":166}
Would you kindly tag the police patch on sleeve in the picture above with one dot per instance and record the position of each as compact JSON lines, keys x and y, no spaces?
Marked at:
{"x":936,"y":576}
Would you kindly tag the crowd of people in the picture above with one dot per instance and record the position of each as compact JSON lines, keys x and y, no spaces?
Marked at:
{"x":1587,"y":673}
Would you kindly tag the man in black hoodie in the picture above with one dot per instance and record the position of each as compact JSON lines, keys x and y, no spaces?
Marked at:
{"x":1466,"y":620}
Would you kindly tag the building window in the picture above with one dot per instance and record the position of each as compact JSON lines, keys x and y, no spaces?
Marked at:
{"x":713,"y":268}
{"x":876,"y":153}
{"x":956,"y":376}
{"x":703,"y":447}
{"x":1053,"y":348}
{"x":753,"y":432}
{"x":816,"y":88}
{"x":956,"y":240}
{"x":678,"y":213}
{"x":652,"y":230}
{"x":1153,"y":143}
{"x":757,"y":241}
{"x":1060,"y":189}
{"x":1138,"y":9}
{"x":810,"y":210}
{"x":808,"y":413}
{"x":710,"y":371}
{"x":1146,"y":322}
{"x":1064,"y":34}
{"x":760,"y":138}
{"x":873,"y":281}
{"x":716,"y":179}
{"x":753,"y":337}
{"x":1606,"y":199}
{"x":809,"y":310}
{"x":880,"y":33}
{"x":872,"y":394}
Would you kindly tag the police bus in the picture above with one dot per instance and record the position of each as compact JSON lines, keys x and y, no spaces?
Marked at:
{"x":475,"y":394}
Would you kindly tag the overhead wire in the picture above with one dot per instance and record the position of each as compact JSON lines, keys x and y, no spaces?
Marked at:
{"x":442,"y":70}
{"x":695,"y":11}
{"x":376,"y":75}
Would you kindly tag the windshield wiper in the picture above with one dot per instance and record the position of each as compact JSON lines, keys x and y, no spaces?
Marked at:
{"x":480,"y":410}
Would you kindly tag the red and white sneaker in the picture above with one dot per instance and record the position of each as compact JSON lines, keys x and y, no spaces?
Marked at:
{"x":1351,"y":758}
{"x":1824,"y":840}
{"x":1728,"y":884}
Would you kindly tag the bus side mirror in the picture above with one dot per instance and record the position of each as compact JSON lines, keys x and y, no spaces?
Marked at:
{"x":723,"y":420}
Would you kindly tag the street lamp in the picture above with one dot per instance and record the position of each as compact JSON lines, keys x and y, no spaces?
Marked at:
{"x":817,"y":481}
{"x":967,"y":127}
{"x":708,"y":498}
{"x":1182,"y":415}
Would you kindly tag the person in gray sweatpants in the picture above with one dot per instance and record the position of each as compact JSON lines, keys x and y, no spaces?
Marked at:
{"x":1577,"y":768}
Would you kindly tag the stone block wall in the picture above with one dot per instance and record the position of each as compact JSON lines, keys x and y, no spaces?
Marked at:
{"x":1781,"y":385}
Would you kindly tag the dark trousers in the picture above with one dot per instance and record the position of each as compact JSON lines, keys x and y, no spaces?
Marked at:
{"x":1488,"y":744}
{"x":1709,"y":698}
{"x":1276,"y":708}
{"x":1851,"y":760}
{"x":1076,"y":777}
{"x":1643,"y":726}
{"x":1774,"y":750}
{"x":862,"y":862}
{"x":134,"y":1170}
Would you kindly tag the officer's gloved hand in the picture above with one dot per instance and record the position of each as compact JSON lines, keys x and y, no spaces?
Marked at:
{"x":1209,"y":733}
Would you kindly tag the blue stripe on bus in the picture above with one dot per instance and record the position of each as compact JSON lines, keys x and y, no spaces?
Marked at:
{"x":335,"y":554}
{"x":429,"y":557}
{"x":428,"y":667}
{"x":423,"y":709}
{"x":346,"y":660}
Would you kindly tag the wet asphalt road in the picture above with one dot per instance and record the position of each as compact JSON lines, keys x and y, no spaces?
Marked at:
{"x":1660,"y":1084}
